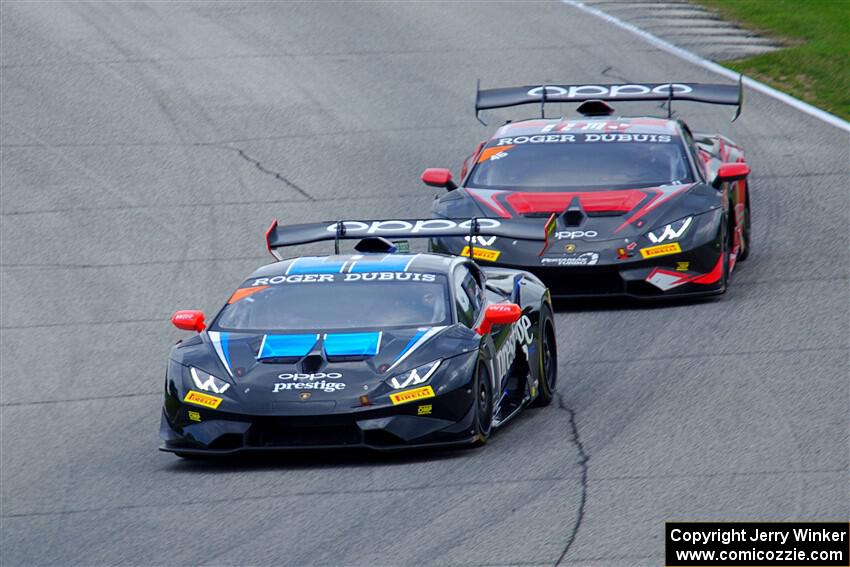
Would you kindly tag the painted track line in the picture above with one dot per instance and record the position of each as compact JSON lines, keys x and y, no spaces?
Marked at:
{"x":690,"y":57}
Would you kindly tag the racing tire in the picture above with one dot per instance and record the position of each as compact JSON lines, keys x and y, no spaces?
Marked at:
{"x":548,"y":359}
{"x":483,"y":421}
{"x":746,"y":228}
{"x":724,"y":253}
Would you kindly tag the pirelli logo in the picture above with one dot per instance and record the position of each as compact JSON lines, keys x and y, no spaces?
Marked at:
{"x":199,"y":399}
{"x":481,"y":254}
{"x":412,"y":395}
{"x":660,"y":250}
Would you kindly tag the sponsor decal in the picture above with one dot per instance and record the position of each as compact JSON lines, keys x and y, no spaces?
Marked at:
{"x":660,"y":250}
{"x":434,"y":226}
{"x":608,"y":91}
{"x":585,"y":259}
{"x":316,"y":381}
{"x":574,"y":234}
{"x":494,"y":153}
{"x":322,"y":385}
{"x":481,"y":240}
{"x":570,"y":248}
{"x":581,"y":138}
{"x":402,"y":246}
{"x":655,"y":138}
{"x":304,"y":376}
{"x":520,"y":335}
{"x":682,"y":266}
{"x":207,"y":382}
{"x":411,"y":395}
{"x":424,"y":410}
{"x":349,"y":277}
{"x":194,"y":416}
{"x":244,"y":292}
{"x":481,"y":254}
{"x":199,"y":399}
{"x":669,"y":233}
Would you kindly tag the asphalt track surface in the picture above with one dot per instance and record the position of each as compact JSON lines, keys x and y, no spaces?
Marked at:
{"x":146,"y":147}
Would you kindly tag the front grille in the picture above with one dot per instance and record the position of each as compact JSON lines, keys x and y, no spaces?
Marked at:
{"x":291,"y":432}
{"x":564,"y":282}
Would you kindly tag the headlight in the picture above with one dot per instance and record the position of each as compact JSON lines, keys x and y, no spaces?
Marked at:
{"x":671,"y":231}
{"x":416,"y":376}
{"x":207,"y":382}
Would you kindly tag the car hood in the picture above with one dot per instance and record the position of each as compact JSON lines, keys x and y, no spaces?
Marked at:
{"x":336,"y":365}
{"x":620,"y":213}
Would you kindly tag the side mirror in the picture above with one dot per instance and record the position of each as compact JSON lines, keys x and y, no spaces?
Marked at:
{"x":731,"y":172}
{"x":438,"y":177}
{"x":189,"y":320}
{"x":499,"y":314}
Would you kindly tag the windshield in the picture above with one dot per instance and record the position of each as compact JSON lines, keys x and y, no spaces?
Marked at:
{"x":336,"y":301}
{"x":582,"y":161}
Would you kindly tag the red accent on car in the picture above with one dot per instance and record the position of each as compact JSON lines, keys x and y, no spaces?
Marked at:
{"x":592,"y":202}
{"x":487,"y":197}
{"x":437,"y":177}
{"x":189,"y":320}
{"x":499,"y":314}
{"x":269,"y":231}
{"x":660,"y":196}
{"x":713,"y":276}
{"x":733,"y":171}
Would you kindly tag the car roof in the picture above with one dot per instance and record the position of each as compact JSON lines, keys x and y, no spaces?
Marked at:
{"x":606,"y":124}
{"x":341,"y":263}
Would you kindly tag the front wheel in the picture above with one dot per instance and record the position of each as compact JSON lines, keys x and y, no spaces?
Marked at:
{"x":548,"y":359}
{"x":483,"y":404}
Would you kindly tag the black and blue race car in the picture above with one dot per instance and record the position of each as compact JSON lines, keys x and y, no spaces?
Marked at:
{"x":375,"y":349}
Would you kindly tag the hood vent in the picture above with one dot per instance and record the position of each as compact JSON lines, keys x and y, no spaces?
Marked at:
{"x":574,"y":215}
{"x":312,"y":363}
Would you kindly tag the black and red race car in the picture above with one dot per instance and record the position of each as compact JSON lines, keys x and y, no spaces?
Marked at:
{"x":636,"y":206}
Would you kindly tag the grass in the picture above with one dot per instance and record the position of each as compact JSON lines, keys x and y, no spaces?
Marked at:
{"x":814,"y":65}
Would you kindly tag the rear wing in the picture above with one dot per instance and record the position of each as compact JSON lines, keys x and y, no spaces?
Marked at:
{"x":293,"y":235}
{"x":732,"y":95}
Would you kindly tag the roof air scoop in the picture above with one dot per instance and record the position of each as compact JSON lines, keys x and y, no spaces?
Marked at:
{"x":574,"y":215}
{"x":595,"y":107}
{"x":376,"y":245}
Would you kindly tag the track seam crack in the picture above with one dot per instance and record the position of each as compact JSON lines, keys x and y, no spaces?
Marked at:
{"x":277,"y":175}
{"x":584,"y":458}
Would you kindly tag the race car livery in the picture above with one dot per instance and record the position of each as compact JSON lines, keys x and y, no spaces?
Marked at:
{"x":377,"y":348}
{"x":639,"y":206}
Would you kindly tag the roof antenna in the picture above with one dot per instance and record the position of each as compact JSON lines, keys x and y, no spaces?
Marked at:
{"x":340,"y":232}
{"x":543,"y":103}
{"x":473,"y":232}
{"x":669,"y":101}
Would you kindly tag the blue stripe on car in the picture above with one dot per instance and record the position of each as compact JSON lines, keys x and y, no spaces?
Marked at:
{"x":315,"y":265}
{"x":411,"y":342}
{"x":352,"y":344}
{"x":282,"y":346}
{"x":388,"y":263}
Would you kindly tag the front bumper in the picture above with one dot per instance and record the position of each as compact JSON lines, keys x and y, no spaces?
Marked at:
{"x":442,"y":420}
{"x":687,"y":274}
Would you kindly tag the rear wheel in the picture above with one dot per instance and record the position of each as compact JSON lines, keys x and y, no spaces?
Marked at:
{"x":483,"y":404}
{"x":745,"y":231}
{"x":548,"y":359}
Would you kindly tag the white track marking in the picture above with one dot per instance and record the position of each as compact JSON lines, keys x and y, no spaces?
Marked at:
{"x":714,"y":67}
